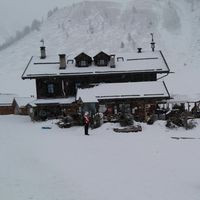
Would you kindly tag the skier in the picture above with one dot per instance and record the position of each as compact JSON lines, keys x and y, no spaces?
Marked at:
{"x":86,"y":121}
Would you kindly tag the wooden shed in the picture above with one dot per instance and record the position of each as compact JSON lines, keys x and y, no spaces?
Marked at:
{"x":20,"y":105}
{"x":42,"y":109}
{"x":6,"y":107}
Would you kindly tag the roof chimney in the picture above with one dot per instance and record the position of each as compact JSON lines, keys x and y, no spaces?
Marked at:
{"x":153,"y":44}
{"x":112,"y":61}
{"x":63,"y":64}
{"x":43,"y":52}
{"x":139,"y":50}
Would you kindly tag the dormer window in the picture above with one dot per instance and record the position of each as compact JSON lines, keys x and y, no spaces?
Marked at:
{"x":50,"y":88}
{"x":101,"y":59}
{"x":102,"y":62}
{"x":83,"y":60}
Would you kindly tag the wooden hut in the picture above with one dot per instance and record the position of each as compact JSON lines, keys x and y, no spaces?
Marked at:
{"x":6,"y":106}
{"x":20,"y":105}
{"x":42,"y":109}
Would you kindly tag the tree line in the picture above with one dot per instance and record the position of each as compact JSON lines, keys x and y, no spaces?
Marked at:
{"x":35,"y":26}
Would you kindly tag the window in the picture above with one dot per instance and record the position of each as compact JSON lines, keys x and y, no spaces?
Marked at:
{"x":102,"y":108}
{"x":124,"y":108}
{"x":50,"y":88}
{"x":83,"y":63}
{"x":101,"y":62}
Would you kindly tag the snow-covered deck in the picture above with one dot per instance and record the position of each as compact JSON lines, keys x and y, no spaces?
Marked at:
{"x":125,"y":63}
{"x":132,"y":90}
{"x":177,"y":98}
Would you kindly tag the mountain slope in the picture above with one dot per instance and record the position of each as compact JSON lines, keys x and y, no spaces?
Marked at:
{"x":94,"y":26}
{"x":4,"y":34}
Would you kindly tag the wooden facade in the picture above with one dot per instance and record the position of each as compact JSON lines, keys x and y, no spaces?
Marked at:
{"x":6,"y":110}
{"x":17,"y":110}
{"x":51,"y":111}
{"x":6,"y":107}
{"x":58,"y":87}
{"x":49,"y":88}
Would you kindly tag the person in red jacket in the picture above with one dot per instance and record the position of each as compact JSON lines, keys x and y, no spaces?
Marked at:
{"x":86,"y":121}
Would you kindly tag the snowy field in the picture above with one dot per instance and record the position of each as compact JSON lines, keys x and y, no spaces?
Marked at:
{"x":63,"y":164}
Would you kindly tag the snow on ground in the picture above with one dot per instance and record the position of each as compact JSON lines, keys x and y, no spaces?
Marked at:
{"x":62,"y":164}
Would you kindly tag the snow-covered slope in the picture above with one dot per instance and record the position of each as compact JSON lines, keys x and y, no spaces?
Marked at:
{"x":113,"y":27}
{"x":63,"y":164}
{"x":4,"y":34}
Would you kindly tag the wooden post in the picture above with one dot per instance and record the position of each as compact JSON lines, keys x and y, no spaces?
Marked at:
{"x":145,"y":112}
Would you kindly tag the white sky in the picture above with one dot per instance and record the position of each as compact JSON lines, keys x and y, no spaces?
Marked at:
{"x":15,"y":14}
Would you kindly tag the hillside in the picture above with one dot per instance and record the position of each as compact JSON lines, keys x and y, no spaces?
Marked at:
{"x":109,"y":26}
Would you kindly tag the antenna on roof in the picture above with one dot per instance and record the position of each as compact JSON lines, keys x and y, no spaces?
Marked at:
{"x":153,"y":44}
{"x":152,"y":37}
{"x":42,"y":41}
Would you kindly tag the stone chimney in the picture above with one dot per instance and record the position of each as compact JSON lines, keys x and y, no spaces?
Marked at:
{"x":63,"y":64}
{"x":43,"y":52}
{"x":112,"y":61}
{"x":139,"y":50}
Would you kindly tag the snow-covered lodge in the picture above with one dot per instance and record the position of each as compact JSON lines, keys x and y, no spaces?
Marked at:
{"x":101,"y":82}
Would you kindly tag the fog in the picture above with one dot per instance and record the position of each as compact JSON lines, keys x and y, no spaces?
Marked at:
{"x":14,"y":15}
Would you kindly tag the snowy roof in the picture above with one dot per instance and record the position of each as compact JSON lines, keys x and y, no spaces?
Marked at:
{"x":180,"y":98}
{"x":124,"y":62}
{"x":6,"y":99}
{"x":86,"y":96}
{"x":132,"y":90}
{"x":59,"y":101}
{"x":24,"y":101}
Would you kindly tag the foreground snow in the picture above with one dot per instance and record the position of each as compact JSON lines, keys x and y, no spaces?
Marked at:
{"x":58,"y":164}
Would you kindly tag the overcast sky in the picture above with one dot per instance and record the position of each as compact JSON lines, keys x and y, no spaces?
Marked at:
{"x":15,"y":14}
